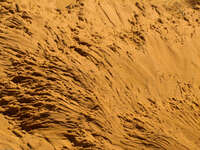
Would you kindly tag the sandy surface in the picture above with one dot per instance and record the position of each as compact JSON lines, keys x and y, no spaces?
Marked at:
{"x":99,"y":75}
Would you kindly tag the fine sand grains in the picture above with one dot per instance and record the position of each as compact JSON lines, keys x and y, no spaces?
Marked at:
{"x":99,"y":75}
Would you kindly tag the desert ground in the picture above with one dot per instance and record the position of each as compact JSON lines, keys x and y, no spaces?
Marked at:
{"x":99,"y":75}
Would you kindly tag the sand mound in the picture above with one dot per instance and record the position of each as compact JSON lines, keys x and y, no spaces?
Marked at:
{"x":99,"y":74}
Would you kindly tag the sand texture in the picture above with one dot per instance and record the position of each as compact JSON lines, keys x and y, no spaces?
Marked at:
{"x":99,"y":75}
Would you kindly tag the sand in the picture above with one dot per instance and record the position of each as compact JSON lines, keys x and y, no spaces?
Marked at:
{"x":99,"y":75}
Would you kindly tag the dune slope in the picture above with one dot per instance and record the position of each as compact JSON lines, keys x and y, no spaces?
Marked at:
{"x":99,"y":75}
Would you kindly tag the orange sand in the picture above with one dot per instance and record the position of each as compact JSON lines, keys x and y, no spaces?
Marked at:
{"x":99,"y":75}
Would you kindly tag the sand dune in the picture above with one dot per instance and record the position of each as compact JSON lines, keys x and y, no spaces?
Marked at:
{"x":99,"y":75}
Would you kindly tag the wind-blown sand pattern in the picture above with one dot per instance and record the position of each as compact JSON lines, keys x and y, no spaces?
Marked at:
{"x":99,"y":75}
